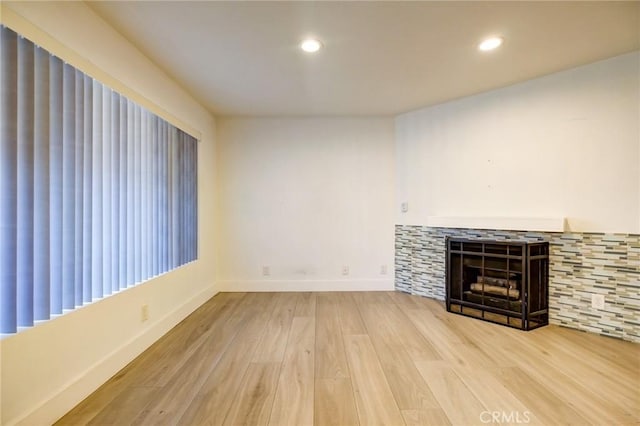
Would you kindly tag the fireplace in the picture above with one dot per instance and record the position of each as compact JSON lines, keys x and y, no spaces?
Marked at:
{"x":505,"y":282}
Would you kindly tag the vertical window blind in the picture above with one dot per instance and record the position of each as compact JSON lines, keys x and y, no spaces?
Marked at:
{"x":97,"y":194}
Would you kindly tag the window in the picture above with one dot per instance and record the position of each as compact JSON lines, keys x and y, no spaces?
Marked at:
{"x":97,"y":194}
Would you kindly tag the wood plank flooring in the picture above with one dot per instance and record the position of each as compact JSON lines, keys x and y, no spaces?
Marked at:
{"x":371,"y":358}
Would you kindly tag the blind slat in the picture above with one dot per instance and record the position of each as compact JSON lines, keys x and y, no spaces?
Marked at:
{"x":122,"y":199}
{"x":115,"y":191}
{"x":25,"y":174}
{"x":79,"y":189}
{"x":106,"y":191}
{"x":41,"y":244}
{"x":68,"y":201}
{"x":87,"y":200}
{"x":96,"y":194}
{"x":8,"y":179}
{"x":129,"y":209}
{"x":137,"y":255}
{"x":55,"y":185}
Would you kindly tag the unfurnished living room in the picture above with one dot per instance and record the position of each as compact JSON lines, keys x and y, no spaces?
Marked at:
{"x":319,"y":213}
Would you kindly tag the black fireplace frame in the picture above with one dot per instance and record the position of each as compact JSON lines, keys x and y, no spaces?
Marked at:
{"x":526,"y":263}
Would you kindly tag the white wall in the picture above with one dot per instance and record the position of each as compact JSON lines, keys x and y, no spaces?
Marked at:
{"x":48,"y":369}
{"x":564,"y":145}
{"x":306,"y":196}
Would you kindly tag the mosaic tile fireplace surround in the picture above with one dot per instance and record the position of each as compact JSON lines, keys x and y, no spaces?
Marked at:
{"x":580,"y":264}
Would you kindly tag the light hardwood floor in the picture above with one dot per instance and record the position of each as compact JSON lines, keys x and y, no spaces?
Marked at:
{"x":365,"y":358}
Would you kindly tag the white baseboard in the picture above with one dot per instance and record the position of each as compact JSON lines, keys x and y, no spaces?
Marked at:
{"x":88,"y":381}
{"x":306,"y":285}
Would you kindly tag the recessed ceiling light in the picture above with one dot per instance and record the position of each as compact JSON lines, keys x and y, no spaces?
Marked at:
{"x":310,"y":45}
{"x":490,"y":44}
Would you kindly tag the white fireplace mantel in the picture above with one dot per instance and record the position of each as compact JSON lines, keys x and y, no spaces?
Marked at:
{"x":541,"y":224}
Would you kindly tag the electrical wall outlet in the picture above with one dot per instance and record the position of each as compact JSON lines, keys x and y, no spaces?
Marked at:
{"x":144,"y":313}
{"x":266,"y":271}
{"x":383,"y":270}
{"x":597,"y":301}
{"x":345,"y":270}
{"x":404,"y":207}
